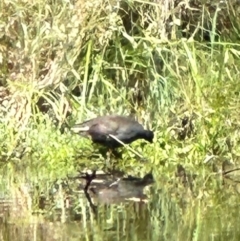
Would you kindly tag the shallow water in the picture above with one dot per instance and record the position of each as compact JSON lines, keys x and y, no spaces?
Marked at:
{"x":164,"y":217}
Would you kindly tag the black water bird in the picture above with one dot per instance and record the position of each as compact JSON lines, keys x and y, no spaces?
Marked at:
{"x":109,"y":130}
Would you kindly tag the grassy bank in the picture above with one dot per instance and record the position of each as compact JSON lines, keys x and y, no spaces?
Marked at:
{"x":66,"y":62}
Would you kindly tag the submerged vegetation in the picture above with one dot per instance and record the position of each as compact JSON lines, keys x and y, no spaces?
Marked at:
{"x":173,"y":65}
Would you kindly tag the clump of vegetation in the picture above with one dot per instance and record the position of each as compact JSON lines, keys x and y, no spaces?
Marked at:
{"x":175,"y":66}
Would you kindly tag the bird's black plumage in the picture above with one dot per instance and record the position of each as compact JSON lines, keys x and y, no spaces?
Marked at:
{"x":102,"y":128}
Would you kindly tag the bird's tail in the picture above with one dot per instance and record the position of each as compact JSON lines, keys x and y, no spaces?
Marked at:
{"x":79,"y":128}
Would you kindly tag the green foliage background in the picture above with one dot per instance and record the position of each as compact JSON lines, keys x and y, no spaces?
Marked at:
{"x":67,"y":61}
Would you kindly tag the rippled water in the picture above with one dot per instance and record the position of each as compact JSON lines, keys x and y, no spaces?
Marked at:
{"x":164,"y":217}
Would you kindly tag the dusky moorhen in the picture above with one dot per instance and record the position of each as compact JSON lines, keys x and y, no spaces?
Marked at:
{"x":122,"y":128}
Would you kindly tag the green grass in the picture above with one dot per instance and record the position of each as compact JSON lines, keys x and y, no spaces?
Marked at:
{"x":49,"y":50}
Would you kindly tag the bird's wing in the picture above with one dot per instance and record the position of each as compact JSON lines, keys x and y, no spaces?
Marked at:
{"x":129,"y":129}
{"x":104,"y":128}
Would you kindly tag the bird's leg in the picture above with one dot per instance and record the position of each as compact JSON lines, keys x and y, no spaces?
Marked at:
{"x":109,"y":153}
{"x":109,"y":162}
{"x":117,"y":154}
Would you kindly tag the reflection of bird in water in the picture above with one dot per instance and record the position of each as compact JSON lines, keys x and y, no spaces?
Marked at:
{"x":120,"y":189}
